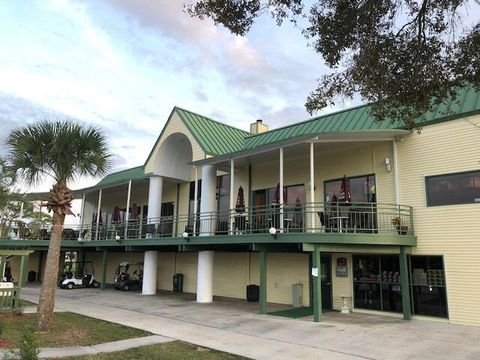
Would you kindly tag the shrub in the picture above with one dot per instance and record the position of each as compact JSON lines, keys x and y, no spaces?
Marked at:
{"x":28,"y":349}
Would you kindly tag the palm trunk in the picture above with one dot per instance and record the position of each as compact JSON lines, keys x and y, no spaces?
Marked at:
{"x":50,"y":277}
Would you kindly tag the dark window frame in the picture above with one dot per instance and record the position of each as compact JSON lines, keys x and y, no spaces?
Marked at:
{"x":350,"y":178}
{"x":427,"y":193}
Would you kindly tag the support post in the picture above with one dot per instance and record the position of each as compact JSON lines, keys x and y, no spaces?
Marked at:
{"x":195,"y":203}
{"x":127,"y":208}
{"x":155,"y":190}
{"x":317,"y":284}
{"x":82,"y":220}
{"x":281,"y":190}
{"x":208,"y":204}
{"x":232,"y":187}
{"x":22,"y":279}
{"x":312,"y":188}
{"x":205,"y":277}
{"x":263,"y":281}
{"x":149,"y":285}
{"x":407,"y":310}
{"x":99,"y":207}
{"x":104,"y":270}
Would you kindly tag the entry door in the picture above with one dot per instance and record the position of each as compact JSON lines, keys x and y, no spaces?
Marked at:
{"x":326,"y":278}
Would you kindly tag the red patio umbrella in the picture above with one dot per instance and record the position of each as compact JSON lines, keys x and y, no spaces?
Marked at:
{"x":240,"y":205}
{"x":345,"y":195}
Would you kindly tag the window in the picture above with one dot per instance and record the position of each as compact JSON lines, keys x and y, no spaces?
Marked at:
{"x":361,"y":187}
{"x":428,"y":285}
{"x":462,"y":188}
{"x":376,"y":281}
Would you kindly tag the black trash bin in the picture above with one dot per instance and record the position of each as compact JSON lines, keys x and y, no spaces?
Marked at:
{"x":32,"y":276}
{"x":253,"y":293}
{"x":178,"y":282}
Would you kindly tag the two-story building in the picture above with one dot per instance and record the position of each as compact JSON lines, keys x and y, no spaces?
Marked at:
{"x":365,"y":215}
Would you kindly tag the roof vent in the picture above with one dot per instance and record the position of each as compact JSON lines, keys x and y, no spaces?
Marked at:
{"x":258,"y":127}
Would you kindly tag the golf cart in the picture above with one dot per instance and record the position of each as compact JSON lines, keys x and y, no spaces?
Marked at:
{"x":78,"y":274}
{"x":129,"y":275}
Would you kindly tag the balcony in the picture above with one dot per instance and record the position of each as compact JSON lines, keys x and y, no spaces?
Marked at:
{"x":301,"y":223}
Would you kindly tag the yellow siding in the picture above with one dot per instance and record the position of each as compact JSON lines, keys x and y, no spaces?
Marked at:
{"x":113,"y":260}
{"x":452,"y":231}
{"x":186,"y":263}
{"x":175,"y":125}
{"x":341,"y":286}
{"x":230,"y":274}
{"x":165,"y":270}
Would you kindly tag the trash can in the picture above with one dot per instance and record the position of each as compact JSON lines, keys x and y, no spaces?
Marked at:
{"x":297,"y":295}
{"x":32,"y":276}
{"x":178,"y":282}
{"x":253,"y":293}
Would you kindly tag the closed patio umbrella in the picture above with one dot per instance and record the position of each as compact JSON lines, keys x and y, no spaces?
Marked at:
{"x":345,"y":195}
{"x":135,"y":212}
{"x":116,"y":218}
{"x":240,"y":205}
{"x":276,"y":196}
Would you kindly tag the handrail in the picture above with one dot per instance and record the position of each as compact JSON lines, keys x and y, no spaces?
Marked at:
{"x":356,"y":218}
{"x":10,"y":299}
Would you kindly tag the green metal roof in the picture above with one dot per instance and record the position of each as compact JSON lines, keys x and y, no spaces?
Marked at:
{"x":213,"y":137}
{"x":359,"y":119}
{"x":120,"y":177}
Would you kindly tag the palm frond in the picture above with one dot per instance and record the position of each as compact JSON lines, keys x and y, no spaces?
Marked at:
{"x":60,"y":149}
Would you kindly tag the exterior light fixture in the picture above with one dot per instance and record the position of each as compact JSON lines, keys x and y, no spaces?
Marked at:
{"x":388,"y":166}
{"x":117,"y":237}
{"x":273,"y":232}
{"x":185,"y":235}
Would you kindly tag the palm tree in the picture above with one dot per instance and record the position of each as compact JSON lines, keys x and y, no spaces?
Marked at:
{"x":63,"y":151}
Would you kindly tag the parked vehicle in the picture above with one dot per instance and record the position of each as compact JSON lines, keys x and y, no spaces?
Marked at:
{"x":78,"y":274}
{"x":129,"y":275}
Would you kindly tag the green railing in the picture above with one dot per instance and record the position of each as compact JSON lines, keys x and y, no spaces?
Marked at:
{"x":10,"y":299}
{"x":318,"y":217}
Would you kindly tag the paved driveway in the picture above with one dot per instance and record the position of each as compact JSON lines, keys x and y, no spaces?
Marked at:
{"x":234,"y":326}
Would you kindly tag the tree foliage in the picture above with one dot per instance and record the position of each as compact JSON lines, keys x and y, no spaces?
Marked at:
{"x":403,"y":56}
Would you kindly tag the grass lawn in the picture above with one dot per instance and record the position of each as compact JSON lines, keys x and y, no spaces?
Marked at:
{"x":172,"y":350}
{"x":68,"y":330}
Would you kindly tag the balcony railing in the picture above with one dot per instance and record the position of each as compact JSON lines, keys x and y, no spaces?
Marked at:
{"x":353,"y":218}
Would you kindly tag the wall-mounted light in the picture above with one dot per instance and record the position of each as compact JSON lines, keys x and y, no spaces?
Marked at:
{"x":185,"y":235}
{"x":117,"y":237}
{"x":273,"y":232}
{"x":388,"y":166}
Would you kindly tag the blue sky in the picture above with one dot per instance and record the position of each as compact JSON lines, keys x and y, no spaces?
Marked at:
{"x":122,"y":65}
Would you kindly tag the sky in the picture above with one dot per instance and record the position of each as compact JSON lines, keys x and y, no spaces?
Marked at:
{"x":122,"y":65}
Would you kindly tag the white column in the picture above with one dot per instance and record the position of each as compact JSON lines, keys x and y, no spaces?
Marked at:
{"x":395,"y":172}
{"x":232,"y":189}
{"x":281,"y":190}
{"x":127,"y":211}
{"x":208,"y":203}
{"x":98,"y":212}
{"x":149,"y":286}
{"x":195,"y":203}
{"x":155,"y":189}
{"x":311,"y":208}
{"x":205,"y":276}
{"x":82,"y":209}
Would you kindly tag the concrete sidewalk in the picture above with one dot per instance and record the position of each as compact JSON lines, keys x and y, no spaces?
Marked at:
{"x":61,"y":352}
{"x":233,"y":326}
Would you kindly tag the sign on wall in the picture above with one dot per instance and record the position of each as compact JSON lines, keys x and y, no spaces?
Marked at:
{"x":342,"y":270}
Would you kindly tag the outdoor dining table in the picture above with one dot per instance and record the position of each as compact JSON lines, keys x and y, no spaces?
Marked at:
{"x":339,"y":222}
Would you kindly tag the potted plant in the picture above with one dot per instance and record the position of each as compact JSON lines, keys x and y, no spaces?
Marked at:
{"x":401,"y":228}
